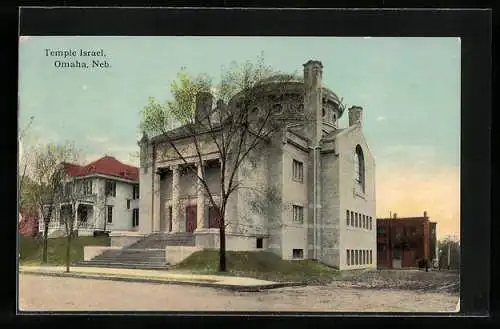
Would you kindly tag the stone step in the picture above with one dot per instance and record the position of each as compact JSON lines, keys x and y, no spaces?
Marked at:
{"x":130,"y":257}
{"x":142,"y":261}
{"x":121,"y":261}
{"x":123,"y":265}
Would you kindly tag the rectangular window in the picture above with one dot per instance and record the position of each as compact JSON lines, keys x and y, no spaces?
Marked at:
{"x":352,"y":218}
{"x":110,"y":214}
{"x":110,"y":188}
{"x":364,"y":257}
{"x":259,"y":243}
{"x":356,"y":220}
{"x":356,"y":257}
{"x":298,"y":171}
{"x":86,"y":187}
{"x":128,"y":203}
{"x":370,"y":222}
{"x":298,"y":253}
{"x":348,"y":255}
{"x":371,"y":260}
{"x":135,"y":217}
{"x":298,"y":214}
{"x":352,"y":257}
{"x":135,"y":192}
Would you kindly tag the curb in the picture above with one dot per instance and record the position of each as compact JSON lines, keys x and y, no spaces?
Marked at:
{"x":238,"y":288}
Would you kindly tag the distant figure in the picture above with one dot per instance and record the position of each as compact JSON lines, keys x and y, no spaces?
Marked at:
{"x":426,"y":265}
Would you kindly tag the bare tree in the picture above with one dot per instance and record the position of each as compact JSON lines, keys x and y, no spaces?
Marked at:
{"x":47,"y":174}
{"x":25,"y":155}
{"x":244,"y":121}
{"x":67,"y":196}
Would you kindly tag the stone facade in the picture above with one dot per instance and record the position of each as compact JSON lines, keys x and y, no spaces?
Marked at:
{"x":319,"y":172}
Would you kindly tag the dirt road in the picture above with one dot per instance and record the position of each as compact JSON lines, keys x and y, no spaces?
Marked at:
{"x":54,"y":294}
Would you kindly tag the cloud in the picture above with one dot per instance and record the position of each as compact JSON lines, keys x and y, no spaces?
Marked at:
{"x":380,"y":118}
{"x":410,"y":156}
{"x":410,"y":192}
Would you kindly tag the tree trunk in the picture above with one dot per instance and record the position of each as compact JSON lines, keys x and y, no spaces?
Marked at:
{"x":68,"y":251}
{"x":222,"y":249}
{"x":45,"y":242}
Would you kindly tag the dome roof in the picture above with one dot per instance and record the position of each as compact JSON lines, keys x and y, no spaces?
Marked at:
{"x":293,"y":78}
{"x":282,"y":77}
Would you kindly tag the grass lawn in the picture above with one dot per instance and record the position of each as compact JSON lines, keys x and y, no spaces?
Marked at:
{"x":31,"y":249}
{"x":260,"y":265}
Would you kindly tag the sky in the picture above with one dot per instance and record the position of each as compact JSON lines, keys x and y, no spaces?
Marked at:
{"x":409,"y":89}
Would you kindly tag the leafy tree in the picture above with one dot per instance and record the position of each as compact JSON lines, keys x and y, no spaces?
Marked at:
{"x":242,"y":123}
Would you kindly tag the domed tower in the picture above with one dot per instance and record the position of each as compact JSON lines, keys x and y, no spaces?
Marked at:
{"x":318,"y":107}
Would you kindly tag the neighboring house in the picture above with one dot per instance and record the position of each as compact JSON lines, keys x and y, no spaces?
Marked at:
{"x":107,"y":200}
{"x":28,"y":224}
{"x":329,"y":217}
{"x":402,"y":242}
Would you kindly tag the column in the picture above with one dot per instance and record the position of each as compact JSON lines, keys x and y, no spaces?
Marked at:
{"x":200,"y":211}
{"x":76,"y":224}
{"x":156,"y":202}
{"x":175,"y":199}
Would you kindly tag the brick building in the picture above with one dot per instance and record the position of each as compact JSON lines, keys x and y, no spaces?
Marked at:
{"x":28,"y":223}
{"x":402,"y":242}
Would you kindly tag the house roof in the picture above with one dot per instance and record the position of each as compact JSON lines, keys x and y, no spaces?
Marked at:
{"x":106,"y":165}
{"x":181,"y":132}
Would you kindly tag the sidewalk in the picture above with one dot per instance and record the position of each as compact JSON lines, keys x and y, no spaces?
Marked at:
{"x":154,"y":276}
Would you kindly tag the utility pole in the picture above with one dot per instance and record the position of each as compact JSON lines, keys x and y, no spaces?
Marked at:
{"x":449,"y":249}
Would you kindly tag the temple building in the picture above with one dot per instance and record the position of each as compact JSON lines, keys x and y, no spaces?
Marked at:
{"x":324,"y":173}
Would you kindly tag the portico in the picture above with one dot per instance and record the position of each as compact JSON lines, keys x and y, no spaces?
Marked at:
{"x":180,"y":201}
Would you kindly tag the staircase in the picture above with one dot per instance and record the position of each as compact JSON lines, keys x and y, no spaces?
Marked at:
{"x":151,"y":259}
{"x":162,"y":240}
{"x":148,"y":253}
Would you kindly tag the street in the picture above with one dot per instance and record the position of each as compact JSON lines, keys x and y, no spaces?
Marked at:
{"x":43,"y":293}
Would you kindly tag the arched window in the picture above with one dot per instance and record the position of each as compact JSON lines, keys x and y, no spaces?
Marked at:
{"x":359,"y":169}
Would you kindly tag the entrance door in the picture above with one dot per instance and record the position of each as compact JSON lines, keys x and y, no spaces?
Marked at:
{"x":396,"y":260}
{"x":190,"y":218}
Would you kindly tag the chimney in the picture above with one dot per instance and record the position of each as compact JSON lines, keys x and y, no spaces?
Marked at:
{"x":395,"y":216}
{"x":355,"y":115}
{"x":425,"y":214}
{"x":204,"y":101}
{"x":313,"y":105}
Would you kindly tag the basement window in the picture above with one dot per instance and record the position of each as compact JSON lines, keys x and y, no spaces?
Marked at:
{"x":259,"y":243}
{"x":298,"y":253}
